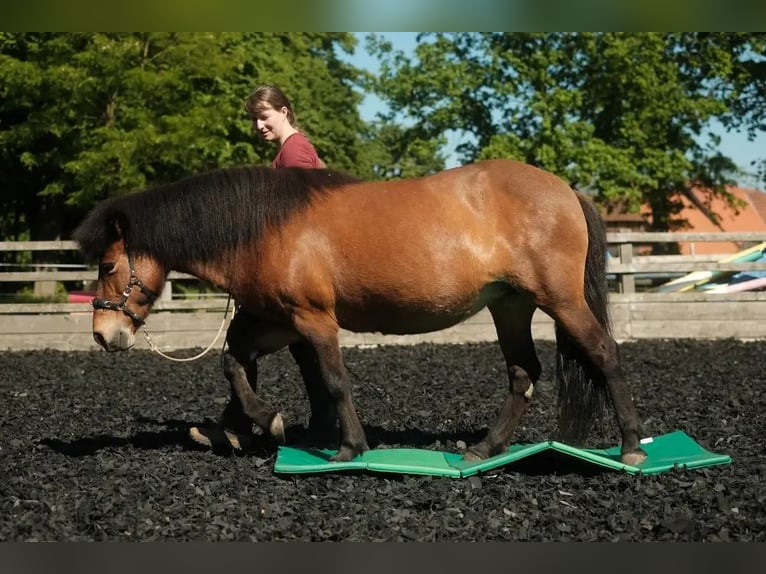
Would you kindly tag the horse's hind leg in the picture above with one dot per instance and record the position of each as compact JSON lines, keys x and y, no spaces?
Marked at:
{"x":323,"y":428}
{"x":513,"y":317}
{"x":600,"y":350}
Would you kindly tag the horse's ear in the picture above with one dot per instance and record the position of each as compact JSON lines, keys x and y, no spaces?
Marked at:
{"x":116,"y":226}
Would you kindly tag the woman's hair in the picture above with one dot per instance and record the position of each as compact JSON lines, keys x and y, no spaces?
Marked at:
{"x":265,"y":97}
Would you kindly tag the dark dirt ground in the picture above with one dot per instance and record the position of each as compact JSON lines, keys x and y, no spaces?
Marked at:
{"x":93,"y":446}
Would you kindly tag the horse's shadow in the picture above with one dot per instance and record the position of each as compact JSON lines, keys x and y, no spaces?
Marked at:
{"x":175,"y":434}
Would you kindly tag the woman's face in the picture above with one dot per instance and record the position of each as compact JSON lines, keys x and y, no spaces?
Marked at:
{"x":270,"y":123}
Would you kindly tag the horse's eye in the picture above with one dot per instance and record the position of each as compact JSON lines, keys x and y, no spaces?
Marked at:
{"x":142,"y":300}
{"x":105,"y":269}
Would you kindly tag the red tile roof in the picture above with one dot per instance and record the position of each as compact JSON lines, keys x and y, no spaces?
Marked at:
{"x":751,"y":217}
{"x":758,"y":200}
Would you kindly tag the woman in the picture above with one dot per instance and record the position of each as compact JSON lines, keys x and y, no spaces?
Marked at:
{"x":274,"y":118}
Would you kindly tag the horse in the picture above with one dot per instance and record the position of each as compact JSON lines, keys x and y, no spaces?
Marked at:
{"x":306,"y":253}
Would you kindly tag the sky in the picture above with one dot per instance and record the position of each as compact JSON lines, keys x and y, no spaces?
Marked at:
{"x":734,"y":145}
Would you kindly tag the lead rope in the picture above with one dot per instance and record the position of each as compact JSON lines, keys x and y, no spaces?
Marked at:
{"x":154,"y":348}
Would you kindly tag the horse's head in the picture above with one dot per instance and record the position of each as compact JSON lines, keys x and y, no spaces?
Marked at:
{"x":127,"y":287}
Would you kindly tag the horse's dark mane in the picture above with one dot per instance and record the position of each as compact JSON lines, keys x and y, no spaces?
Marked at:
{"x":194,"y":219}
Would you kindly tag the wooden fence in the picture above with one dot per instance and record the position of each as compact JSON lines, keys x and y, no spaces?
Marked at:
{"x":637,"y":313}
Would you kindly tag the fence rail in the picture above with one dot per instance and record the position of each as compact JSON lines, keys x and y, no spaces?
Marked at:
{"x":179,"y":322}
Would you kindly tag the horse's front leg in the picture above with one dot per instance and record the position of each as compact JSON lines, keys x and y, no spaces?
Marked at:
{"x":245,"y":406}
{"x":323,"y":424}
{"x":321,"y":332}
{"x":248,"y":338}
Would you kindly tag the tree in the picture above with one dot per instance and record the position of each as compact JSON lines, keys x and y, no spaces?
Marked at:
{"x":744,"y":82}
{"x":85,"y":116}
{"x":624,"y":115}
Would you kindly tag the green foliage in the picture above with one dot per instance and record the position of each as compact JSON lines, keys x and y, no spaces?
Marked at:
{"x":390,"y":150}
{"x":193,"y":289}
{"x":625,"y":115}
{"x":85,"y":116}
{"x":27,"y":295}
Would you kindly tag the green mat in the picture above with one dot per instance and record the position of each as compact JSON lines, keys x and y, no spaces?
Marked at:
{"x":664,"y":452}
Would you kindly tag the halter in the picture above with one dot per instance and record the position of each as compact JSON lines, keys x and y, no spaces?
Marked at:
{"x":121,"y":305}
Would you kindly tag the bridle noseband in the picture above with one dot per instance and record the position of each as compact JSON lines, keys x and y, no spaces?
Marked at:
{"x":121,"y":305}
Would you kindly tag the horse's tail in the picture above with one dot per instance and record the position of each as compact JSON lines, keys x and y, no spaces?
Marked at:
{"x":582,"y":392}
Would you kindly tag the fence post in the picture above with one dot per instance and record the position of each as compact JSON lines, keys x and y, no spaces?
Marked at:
{"x":167,"y":292}
{"x":627,"y":280}
{"x":44,"y":288}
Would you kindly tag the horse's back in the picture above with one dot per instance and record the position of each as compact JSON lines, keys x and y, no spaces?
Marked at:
{"x":489,"y":207}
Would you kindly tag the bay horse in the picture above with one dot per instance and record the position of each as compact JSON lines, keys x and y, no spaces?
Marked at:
{"x":308,"y":252}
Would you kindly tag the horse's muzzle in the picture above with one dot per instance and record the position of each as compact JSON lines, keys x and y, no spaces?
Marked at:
{"x":121,"y":341}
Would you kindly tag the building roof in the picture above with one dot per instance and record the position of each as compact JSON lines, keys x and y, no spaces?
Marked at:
{"x":758,"y":200}
{"x":751,"y":217}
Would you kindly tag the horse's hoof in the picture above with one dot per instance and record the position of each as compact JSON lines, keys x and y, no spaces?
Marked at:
{"x":200,"y":436}
{"x":633,"y":458}
{"x":277,"y":429}
{"x":239,"y":441}
{"x":347,"y":453}
{"x":476,"y":452}
{"x":474,"y":455}
{"x":341,"y":456}
{"x":212,"y":437}
{"x":470,"y":456}
{"x":217,"y":437}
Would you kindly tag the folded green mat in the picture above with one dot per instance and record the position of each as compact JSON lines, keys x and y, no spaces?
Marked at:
{"x":664,"y":452}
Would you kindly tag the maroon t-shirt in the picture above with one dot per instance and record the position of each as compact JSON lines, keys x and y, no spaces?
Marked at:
{"x":297,"y":151}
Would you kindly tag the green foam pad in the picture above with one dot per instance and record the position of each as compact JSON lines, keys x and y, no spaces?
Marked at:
{"x":664,"y":452}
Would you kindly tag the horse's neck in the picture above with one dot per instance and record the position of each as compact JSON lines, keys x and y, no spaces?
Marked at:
{"x":215,"y":273}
